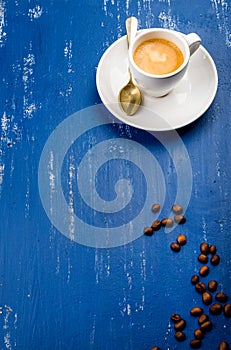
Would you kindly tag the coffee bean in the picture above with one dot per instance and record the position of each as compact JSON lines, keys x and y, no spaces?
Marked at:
{"x":203,"y":318}
{"x":204,"y":271}
{"x":223,"y":346}
{"x":215,"y":309}
{"x":155,"y":348}
{"x":175,"y":247}
{"x":215,"y":260}
{"x":194,"y":279}
{"x":156,"y":225}
{"x":204,"y":248}
{"x":200,"y":287}
{"x":177,"y":209}
{"x":212,"y":286}
{"x":212,"y":249}
{"x":227,"y":310}
{"x":180,"y":325}
{"x":180,"y":336}
{"x":206,"y":326}
{"x":168,"y":222}
{"x":179,"y":219}
{"x":181,"y":239}
{"x":221,"y":297}
{"x":148,"y":231}
{"x":195,"y":343}
{"x":198,"y":334}
{"x":207,"y":298}
{"x":196,"y":311}
{"x":203,"y":258}
{"x":175,"y":317}
{"x":155,"y":207}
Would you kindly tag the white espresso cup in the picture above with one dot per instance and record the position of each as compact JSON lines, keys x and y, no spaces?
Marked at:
{"x":158,"y":85}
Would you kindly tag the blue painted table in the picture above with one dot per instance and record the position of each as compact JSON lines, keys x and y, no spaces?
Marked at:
{"x":76,"y":187}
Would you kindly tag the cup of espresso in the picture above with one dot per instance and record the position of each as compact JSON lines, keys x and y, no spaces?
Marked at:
{"x":159,"y":59}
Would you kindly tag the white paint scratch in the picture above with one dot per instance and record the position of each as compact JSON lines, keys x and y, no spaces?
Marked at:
{"x":35,"y":13}
{"x":71,"y":201}
{"x":68,"y":54}
{"x":2,"y":23}
{"x":29,"y":107}
{"x":167,"y":20}
{"x":222,"y":9}
{"x":9,"y":320}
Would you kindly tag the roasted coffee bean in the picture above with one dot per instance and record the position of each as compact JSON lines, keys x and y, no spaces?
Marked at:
{"x":148,"y":231}
{"x":223,"y":346}
{"x":221,"y":297}
{"x":175,"y":247}
{"x":227,"y":310}
{"x":212,"y":286}
{"x":215,"y":309}
{"x":168,"y":222}
{"x":203,"y":258}
{"x":215,"y":260}
{"x":179,"y":219}
{"x":181,"y":239}
{"x":204,"y":248}
{"x":180,"y":325}
{"x":207,"y":298}
{"x":200,"y":287}
{"x":196,"y":311}
{"x":204,"y":271}
{"x":195,"y":279}
{"x":203,"y":318}
{"x":206,"y":326}
{"x":195,"y":343}
{"x":177,"y":209}
{"x":198,"y":334}
{"x":175,"y":317}
{"x":155,"y":207}
{"x":155,"y":348}
{"x":212,"y":249}
{"x":180,"y":336}
{"x":156,"y":225}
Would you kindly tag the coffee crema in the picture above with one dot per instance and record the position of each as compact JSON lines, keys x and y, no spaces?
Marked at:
{"x":158,"y":56}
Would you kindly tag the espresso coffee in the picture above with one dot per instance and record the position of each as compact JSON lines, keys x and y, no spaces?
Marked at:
{"x":158,"y":56}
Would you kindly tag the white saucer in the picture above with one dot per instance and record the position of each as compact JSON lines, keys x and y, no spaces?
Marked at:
{"x":190,"y":99}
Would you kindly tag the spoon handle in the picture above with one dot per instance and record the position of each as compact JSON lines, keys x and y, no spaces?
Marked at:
{"x":131,"y":28}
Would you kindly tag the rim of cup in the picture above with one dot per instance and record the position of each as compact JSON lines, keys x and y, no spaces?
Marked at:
{"x":147,"y":34}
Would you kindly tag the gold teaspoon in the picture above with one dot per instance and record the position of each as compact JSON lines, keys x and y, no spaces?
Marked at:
{"x":130,"y":96}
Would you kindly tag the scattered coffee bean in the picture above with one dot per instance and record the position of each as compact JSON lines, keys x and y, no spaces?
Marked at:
{"x":175,"y":317}
{"x":155,"y":348}
{"x":195,"y":343}
{"x":204,"y":248}
{"x":155,"y":207}
{"x":200,"y":287}
{"x":212,"y":249}
{"x":156,"y":225}
{"x":198,"y":334}
{"x":227,"y":310}
{"x":175,"y":247}
{"x":177,"y":209}
{"x":195,"y":279}
{"x":203,"y":258}
{"x":207,"y":298}
{"x":223,"y":346}
{"x":181,"y":239}
{"x":168,"y":222}
{"x":204,"y":271}
{"x":203,"y":318}
{"x":215,"y":259}
{"x":215,"y":309}
{"x":180,"y":325}
{"x":148,"y":231}
{"x":206,"y":326}
{"x":179,"y":219}
{"x":196,"y":311}
{"x":221,"y":297}
{"x":212,"y":286}
{"x":180,"y":336}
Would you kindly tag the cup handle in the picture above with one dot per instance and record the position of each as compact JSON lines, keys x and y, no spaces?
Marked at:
{"x":193,"y":41}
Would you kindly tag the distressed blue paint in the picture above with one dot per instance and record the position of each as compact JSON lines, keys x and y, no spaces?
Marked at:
{"x":54,"y":293}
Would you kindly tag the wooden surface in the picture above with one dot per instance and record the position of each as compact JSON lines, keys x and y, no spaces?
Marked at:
{"x":76,"y":187}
